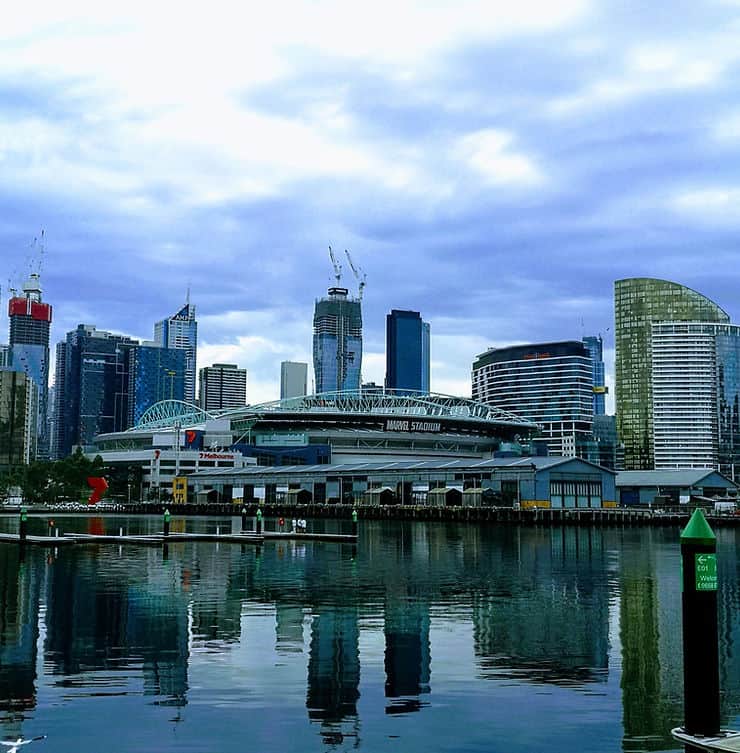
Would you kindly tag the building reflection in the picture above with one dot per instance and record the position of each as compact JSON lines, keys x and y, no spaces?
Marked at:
{"x":334,"y":670}
{"x":20,"y":589}
{"x":543,"y":617}
{"x":407,"y":652}
{"x":652,"y":684}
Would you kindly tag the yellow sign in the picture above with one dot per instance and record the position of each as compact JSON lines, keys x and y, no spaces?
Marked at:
{"x":180,"y":490}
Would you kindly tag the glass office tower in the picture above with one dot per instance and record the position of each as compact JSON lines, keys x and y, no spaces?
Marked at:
{"x":337,"y":342}
{"x":181,"y":331}
{"x":406,"y":351}
{"x":595,"y":347}
{"x":548,"y":383}
{"x":154,"y":374}
{"x":638,"y":302}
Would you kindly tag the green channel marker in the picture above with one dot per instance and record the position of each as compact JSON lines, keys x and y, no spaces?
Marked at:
{"x":697,"y":530}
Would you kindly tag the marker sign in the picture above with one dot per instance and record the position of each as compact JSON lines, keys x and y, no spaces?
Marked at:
{"x":705,"y":570}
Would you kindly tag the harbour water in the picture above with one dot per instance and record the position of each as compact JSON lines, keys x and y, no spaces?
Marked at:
{"x":425,"y":637}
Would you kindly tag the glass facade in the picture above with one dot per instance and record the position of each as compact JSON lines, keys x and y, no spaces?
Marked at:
{"x":728,"y":387}
{"x":337,"y":342}
{"x":595,"y":347}
{"x":406,"y":351}
{"x":18,"y":411}
{"x":550,"y":384}
{"x":154,"y":374}
{"x":638,"y":302}
{"x":181,"y":331}
{"x":94,"y":398}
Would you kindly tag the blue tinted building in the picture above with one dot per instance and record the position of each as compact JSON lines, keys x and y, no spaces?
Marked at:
{"x":181,"y":331}
{"x":92,"y":386}
{"x":154,"y":374}
{"x":595,"y":347}
{"x":337,"y":342}
{"x":406,"y":351}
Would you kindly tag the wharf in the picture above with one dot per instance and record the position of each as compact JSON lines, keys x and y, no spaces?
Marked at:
{"x":726,"y":742}
{"x":157,"y":539}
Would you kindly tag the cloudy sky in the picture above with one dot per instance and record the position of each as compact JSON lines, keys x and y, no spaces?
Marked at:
{"x":495,"y":165}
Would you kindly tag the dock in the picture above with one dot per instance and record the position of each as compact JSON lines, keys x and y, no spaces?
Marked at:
{"x":728,"y":741}
{"x":157,"y":539}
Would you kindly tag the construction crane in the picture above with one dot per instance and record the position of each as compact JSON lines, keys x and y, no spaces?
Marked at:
{"x":360,"y":276}
{"x":337,"y":266}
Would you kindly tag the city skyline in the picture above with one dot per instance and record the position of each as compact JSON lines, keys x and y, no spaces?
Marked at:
{"x":484,"y":164}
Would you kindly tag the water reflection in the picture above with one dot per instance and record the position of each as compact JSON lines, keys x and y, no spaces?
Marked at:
{"x":438,"y":608}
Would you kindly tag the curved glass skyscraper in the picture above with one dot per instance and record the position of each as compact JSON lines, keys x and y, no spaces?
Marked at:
{"x":639,"y":302}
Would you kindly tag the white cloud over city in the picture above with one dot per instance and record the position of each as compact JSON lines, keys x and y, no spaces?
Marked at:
{"x":493,"y":165}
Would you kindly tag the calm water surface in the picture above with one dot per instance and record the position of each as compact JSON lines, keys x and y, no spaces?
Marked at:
{"x":427,"y":637}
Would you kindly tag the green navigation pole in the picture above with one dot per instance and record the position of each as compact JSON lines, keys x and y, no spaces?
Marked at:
{"x":259,"y":520}
{"x":166,"y":522}
{"x":23,"y":524}
{"x":700,"y":638}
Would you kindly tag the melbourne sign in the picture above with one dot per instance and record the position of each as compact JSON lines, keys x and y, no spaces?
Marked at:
{"x":402,"y":424}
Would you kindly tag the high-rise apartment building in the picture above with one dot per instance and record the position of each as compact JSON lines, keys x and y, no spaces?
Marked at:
{"x":19,"y":395}
{"x":223,"y":385}
{"x":549,"y":383}
{"x":406,"y":351}
{"x":293,"y":379}
{"x":92,"y":386}
{"x":30,"y":321}
{"x":595,"y":347}
{"x":154,"y":374}
{"x":695,"y":370}
{"x":5,"y":355}
{"x":181,"y":331}
{"x":638,"y":303}
{"x":337,"y":342}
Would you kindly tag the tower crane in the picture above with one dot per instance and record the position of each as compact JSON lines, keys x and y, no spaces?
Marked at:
{"x":360,"y":276}
{"x":337,"y":266}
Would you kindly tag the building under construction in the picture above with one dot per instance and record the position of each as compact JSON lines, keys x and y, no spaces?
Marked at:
{"x":337,"y":335}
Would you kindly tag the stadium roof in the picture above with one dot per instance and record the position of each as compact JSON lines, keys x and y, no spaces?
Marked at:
{"x":381,"y":403}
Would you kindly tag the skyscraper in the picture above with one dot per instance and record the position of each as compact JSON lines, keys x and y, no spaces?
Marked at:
{"x":30,"y":320}
{"x":223,"y":385}
{"x":638,"y":302}
{"x":181,"y":331}
{"x":548,"y":383}
{"x":406,"y":351}
{"x":92,"y":386}
{"x":595,"y":347}
{"x":337,"y":342}
{"x":293,"y":379}
{"x":18,"y":418}
{"x":154,"y":374}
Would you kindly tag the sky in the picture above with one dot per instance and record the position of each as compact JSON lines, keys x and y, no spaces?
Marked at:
{"x":493,"y":165}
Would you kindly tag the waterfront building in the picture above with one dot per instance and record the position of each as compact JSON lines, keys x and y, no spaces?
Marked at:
{"x":293,"y":379}
{"x":406,"y":351}
{"x":638,"y":303}
{"x":661,"y":488}
{"x":337,"y":342}
{"x":154,"y":374}
{"x":30,"y":321}
{"x":92,"y":384}
{"x":19,"y":398}
{"x":695,"y":395}
{"x":222,"y":385}
{"x":181,"y":331}
{"x":550,"y":384}
{"x":595,"y":347}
